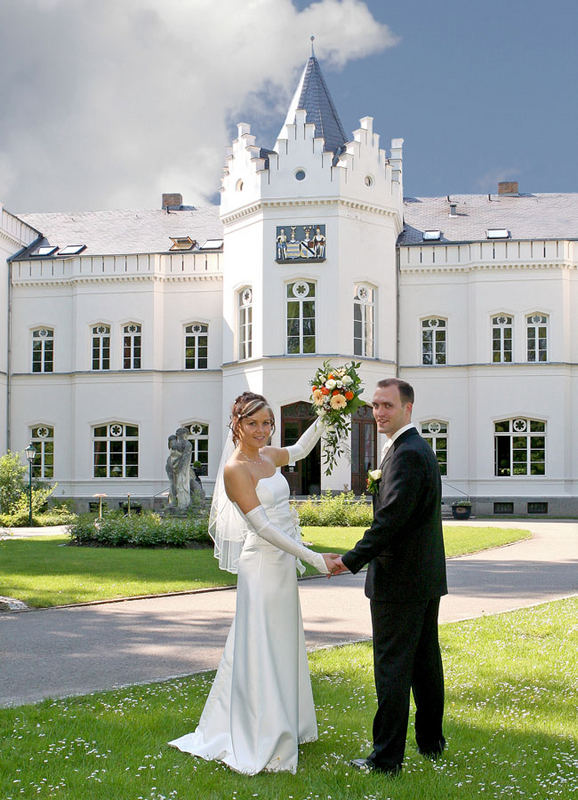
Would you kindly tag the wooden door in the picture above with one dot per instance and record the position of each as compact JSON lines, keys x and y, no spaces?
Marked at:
{"x":305,"y":477}
{"x":363,"y":447}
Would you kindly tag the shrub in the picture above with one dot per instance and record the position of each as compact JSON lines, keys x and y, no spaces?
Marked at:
{"x":341,"y":510}
{"x":147,"y":529}
{"x":15,"y":499}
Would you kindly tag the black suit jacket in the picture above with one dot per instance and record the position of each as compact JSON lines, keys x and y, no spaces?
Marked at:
{"x":404,"y":546}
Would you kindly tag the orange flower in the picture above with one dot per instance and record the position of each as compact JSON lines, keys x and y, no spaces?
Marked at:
{"x":314,"y":388}
{"x":330,"y":376}
{"x":324,"y":390}
{"x":335,"y":391}
{"x":338,"y":401}
{"x":349,"y":395}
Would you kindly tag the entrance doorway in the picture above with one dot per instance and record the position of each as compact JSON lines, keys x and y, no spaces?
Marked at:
{"x":305,"y":477}
{"x":363,"y":447}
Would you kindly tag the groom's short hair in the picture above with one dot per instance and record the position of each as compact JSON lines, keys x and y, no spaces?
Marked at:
{"x":405,"y":389}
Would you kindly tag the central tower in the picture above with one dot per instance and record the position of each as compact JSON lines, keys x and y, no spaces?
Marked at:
{"x":310,"y":229}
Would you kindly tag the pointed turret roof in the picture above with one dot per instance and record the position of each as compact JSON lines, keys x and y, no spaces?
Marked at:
{"x":313,"y":95}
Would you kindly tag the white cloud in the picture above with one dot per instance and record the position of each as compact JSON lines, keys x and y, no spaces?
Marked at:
{"x":109,"y":103}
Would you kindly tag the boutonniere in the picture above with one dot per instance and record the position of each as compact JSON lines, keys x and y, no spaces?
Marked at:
{"x":373,"y":479}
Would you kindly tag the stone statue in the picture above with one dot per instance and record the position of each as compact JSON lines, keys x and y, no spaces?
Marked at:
{"x":178,"y":468}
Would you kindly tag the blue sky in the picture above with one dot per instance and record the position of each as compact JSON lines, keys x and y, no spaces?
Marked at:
{"x":479,"y":91}
{"x":109,"y":104}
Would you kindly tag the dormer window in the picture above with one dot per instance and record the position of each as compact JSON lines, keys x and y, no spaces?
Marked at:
{"x":497,"y":233}
{"x":182,"y":242}
{"x":212,"y":244}
{"x":45,"y":250}
{"x":432,"y":236}
{"x":72,"y":249}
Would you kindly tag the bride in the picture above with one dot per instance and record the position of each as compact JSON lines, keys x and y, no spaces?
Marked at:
{"x":260,"y":706}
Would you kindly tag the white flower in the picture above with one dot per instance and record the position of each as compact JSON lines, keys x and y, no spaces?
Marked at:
{"x":346,"y":380}
{"x":330,"y":384}
{"x":375,"y":474}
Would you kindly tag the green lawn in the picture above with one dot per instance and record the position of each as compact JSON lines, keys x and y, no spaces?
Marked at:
{"x":510,"y":725}
{"x":43,"y":571}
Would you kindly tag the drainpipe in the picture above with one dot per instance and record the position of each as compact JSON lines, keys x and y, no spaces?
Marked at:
{"x":397,"y":321}
{"x":30,"y":246}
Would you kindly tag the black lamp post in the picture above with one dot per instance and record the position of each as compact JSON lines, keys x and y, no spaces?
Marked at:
{"x":30,"y":453}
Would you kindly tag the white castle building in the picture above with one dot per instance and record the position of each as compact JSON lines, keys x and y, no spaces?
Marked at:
{"x":121,"y":326}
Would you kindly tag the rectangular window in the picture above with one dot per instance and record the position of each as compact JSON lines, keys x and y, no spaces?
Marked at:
{"x":101,"y":347}
{"x":501,"y":339}
{"x":115,"y":451}
{"x":300,"y":317}
{"x":196,"y":346}
{"x":433,"y":341}
{"x":43,"y":441}
{"x":363,"y":321}
{"x":537,"y":508}
{"x":131,"y":346}
{"x":245,"y":323}
{"x":537,"y":331}
{"x":43,"y":350}
{"x":436,"y":435}
{"x":519,"y":447}
{"x":503,"y":508}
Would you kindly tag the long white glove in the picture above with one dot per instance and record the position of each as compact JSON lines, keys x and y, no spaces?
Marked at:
{"x":260,"y":523}
{"x":306,"y":442}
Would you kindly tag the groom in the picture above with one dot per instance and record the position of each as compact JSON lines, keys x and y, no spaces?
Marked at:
{"x":405,"y":579}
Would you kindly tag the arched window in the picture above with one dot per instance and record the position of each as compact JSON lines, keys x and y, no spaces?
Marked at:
{"x":101,"y":347}
{"x":115,"y":447}
{"x":433,"y":341}
{"x":198,"y":435}
{"x":364,"y":320}
{"x":435,"y":432}
{"x":196,"y":346}
{"x":537,"y":336}
{"x":300,"y":317}
{"x":245,"y":327}
{"x":42,"y":437}
{"x":131,"y":346}
{"x":43,"y":350}
{"x":501,"y":339}
{"x":519,"y":447}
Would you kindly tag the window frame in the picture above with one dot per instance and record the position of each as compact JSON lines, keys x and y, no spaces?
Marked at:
{"x":534,"y":327}
{"x":198,"y":433}
{"x":301,"y":320}
{"x":245,"y":323}
{"x":45,"y":361}
{"x":126,"y":464}
{"x":435,"y":436}
{"x":508,"y":445}
{"x":441,"y":326}
{"x":501,"y":328}
{"x":193,"y":342}
{"x":131,"y":346}
{"x":364,"y":343}
{"x":99,"y":343}
{"x":43,"y":463}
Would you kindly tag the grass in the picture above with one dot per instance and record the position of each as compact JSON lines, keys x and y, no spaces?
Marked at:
{"x":42,"y":571}
{"x":510,"y":726}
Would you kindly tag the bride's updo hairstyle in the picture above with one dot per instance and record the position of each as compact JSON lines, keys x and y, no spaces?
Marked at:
{"x":244,"y":406}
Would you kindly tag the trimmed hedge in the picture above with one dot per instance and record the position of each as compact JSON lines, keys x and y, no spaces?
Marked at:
{"x":341,"y":510}
{"x":147,"y":529}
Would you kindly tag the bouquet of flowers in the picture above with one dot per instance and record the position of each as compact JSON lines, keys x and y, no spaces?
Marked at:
{"x":335,"y":395}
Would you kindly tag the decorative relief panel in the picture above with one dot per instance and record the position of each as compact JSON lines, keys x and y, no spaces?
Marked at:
{"x":300,"y":243}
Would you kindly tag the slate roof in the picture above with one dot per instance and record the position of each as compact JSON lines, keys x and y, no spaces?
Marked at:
{"x":527,"y":216}
{"x":313,"y":95}
{"x":125,"y":232}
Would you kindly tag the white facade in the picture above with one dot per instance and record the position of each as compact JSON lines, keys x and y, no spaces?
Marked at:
{"x":110,"y":349}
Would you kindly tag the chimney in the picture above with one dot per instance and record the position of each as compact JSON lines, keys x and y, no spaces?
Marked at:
{"x":172,"y":201}
{"x":453,"y":208}
{"x":508,"y":189}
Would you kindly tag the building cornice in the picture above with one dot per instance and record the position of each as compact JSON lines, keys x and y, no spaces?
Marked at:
{"x":484,"y":266}
{"x":261,"y":205}
{"x":92,"y":279}
{"x":491,"y":367}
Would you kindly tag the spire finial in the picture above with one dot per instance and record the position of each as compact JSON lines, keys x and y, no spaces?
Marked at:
{"x":312,"y":49}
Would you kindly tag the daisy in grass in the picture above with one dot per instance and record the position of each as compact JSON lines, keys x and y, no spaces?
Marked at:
{"x":335,"y":395}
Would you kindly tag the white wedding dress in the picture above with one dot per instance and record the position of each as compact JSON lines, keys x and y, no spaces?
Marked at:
{"x":261,"y":706}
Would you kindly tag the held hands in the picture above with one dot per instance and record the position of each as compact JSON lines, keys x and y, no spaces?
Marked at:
{"x":334,"y":564}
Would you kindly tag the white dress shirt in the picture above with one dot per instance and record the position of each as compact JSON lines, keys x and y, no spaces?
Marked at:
{"x":389,"y":441}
